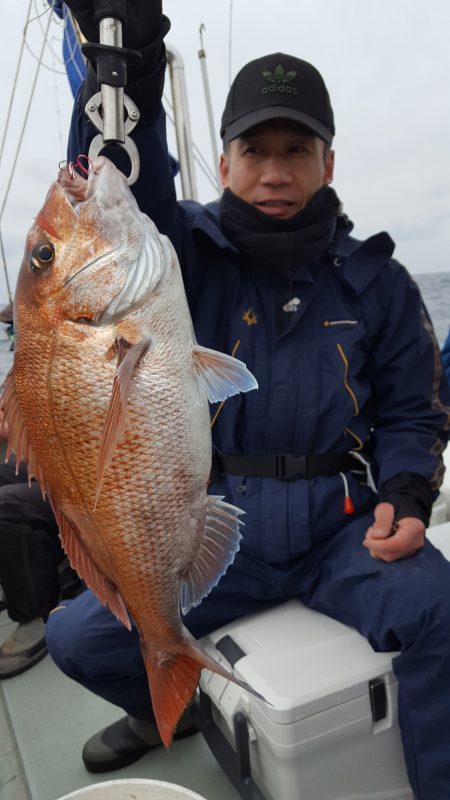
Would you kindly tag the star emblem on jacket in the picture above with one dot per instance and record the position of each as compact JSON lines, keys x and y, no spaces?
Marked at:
{"x":250,"y":317}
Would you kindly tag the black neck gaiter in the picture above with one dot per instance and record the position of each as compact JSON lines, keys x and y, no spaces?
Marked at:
{"x":280,"y":243}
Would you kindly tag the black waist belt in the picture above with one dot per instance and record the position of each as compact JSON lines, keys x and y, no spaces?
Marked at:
{"x":283,"y":466}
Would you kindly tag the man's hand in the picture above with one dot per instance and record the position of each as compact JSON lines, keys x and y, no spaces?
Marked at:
{"x":83,"y":11}
{"x":144,"y":18}
{"x":409,"y":535}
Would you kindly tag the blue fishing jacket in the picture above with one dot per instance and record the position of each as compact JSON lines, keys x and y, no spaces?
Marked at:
{"x":446,"y":357}
{"x":355,"y":359}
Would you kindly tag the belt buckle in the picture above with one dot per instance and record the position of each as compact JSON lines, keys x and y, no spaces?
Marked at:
{"x":285,"y":465}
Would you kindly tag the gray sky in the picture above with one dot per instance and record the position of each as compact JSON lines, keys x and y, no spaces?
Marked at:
{"x":386,"y":64}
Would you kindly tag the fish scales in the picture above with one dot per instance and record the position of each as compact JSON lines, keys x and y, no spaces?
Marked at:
{"x":108,"y":404}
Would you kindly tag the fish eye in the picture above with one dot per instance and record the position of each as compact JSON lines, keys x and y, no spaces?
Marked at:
{"x":41,"y":255}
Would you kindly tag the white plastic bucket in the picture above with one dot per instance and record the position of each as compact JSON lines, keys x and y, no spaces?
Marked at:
{"x":133,"y":789}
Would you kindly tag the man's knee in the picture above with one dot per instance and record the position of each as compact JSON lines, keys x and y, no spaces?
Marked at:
{"x":88,"y":643}
{"x":64,"y":636}
{"x":420,"y":594}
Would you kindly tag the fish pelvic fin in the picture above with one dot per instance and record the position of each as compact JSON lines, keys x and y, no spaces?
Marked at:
{"x":88,"y":570}
{"x":129,"y":357}
{"x":220,"y":375}
{"x":18,"y":438}
{"x":219,"y":546}
{"x":173,"y":679}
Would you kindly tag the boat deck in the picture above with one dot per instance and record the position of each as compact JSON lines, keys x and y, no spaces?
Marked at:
{"x":45,"y":718}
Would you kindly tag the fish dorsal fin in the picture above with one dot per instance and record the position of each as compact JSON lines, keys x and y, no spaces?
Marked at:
{"x":129,"y":357}
{"x":18,"y":438}
{"x":220,"y":376}
{"x":219,"y":546}
{"x":88,"y":571}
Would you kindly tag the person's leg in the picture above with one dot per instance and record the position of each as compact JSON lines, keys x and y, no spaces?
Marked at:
{"x":30,"y":554}
{"x":91,"y":646}
{"x":404,"y":605}
{"x":30,"y":551}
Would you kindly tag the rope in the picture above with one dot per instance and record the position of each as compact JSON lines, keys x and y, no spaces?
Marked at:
{"x":2,"y":249}
{"x":230,"y":41}
{"x":22,"y":133}
{"x":198,"y":156}
{"x":16,"y":77}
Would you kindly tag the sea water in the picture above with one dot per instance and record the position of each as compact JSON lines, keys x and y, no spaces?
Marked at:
{"x":435,"y":288}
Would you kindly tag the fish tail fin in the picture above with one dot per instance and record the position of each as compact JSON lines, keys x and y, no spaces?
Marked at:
{"x":173,"y":679}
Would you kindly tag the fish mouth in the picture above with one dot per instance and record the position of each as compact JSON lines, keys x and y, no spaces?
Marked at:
{"x":142,"y":269}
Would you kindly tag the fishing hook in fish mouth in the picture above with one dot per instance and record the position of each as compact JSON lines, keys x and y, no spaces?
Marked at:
{"x":73,"y":165}
{"x":67,"y":165}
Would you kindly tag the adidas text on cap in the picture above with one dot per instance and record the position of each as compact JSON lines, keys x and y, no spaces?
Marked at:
{"x":278,"y":86}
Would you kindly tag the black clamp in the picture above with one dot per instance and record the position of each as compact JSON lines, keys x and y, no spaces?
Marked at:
{"x":111,"y":62}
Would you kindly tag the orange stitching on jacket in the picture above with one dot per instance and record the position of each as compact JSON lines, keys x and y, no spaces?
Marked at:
{"x":346,"y":384}
{"x":357,"y":440}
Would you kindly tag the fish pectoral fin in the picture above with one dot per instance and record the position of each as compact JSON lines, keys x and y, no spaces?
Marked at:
{"x":219,"y":546}
{"x":219,"y":375}
{"x":129,"y":357}
{"x":18,"y":439}
{"x":88,"y":570}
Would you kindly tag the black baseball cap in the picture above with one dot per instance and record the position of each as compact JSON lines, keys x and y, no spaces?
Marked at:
{"x":277,"y":86}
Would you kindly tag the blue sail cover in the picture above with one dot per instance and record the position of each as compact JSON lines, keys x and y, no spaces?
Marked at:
{"x":73,"y":57}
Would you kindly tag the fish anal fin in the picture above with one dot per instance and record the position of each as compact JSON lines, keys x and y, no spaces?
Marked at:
{"x":88,"y":571}
{"x":220,"y":375}
{"x":219,"y":546}
{"x":129,"y":357}
{"x":18,"y":438}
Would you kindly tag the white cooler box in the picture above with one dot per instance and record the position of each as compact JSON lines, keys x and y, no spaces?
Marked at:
{"x":331,"y":731}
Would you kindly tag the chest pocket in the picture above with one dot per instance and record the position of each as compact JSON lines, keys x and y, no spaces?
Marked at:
{"x":343,"y":360}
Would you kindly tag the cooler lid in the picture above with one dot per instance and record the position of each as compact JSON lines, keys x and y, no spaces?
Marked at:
{"x":301,"y":661}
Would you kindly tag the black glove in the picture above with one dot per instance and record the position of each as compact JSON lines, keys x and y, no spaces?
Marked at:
{"x":142,"y":25}
{"x":144,"y":29}
{"x":410,"y":494}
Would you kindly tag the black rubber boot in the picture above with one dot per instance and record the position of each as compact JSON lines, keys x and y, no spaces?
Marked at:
{"x":127,"y":740}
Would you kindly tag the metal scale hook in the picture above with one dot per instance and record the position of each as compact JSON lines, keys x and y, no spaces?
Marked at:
{"x":110,"y":110}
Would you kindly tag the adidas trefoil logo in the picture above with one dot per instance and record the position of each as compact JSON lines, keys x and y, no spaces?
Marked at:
{"x":279,"y":80}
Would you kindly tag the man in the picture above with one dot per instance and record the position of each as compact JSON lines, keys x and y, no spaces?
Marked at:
{"x":349,"y":381}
